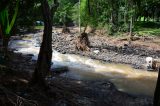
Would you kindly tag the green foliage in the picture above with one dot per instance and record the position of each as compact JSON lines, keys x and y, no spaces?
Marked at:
{"x":115,"y":14}
{"x":4,"y":19}
{"x":147,"y":28}
{"x":84,"y":15}
{"x":118,"y":14}
{"x":64,"y":13}
{"x":88,"y":13}
{"x":30,"y":12}
{"x":75,"y":13}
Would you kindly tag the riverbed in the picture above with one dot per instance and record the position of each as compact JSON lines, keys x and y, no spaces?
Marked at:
{"x":124,"y":77}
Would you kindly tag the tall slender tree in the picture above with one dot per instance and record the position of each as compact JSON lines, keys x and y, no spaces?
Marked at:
{"x":45,"y":54}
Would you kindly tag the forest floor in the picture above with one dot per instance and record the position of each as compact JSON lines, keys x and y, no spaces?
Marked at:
{"x":68,"y":92}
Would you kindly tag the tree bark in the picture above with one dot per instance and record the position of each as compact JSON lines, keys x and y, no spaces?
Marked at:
{"x":130,"y":29}
{"x":5,"y":46}
{"x":156,"y":101}
{"x":5,"y":40}
{"x":1,"y":41}
{"x":0,"y":32}
{"x":45,"y":53}
{"x":65,"y":29}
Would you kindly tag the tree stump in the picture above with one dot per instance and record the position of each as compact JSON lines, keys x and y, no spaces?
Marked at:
{"x":82,"y":42}
{"x":65,"y":30}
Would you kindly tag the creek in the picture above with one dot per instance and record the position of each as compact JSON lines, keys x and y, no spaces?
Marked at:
{"x":125,"y":78}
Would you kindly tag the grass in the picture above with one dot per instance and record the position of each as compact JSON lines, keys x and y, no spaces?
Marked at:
{"x":147,"y":28}
{"x":141,"y":29}
{"x":148,"y":31}
{"x":39,"y":27}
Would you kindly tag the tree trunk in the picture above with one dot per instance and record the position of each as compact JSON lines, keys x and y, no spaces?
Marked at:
{"x":85,"y":28}
{"x":126,"y":13}
{"x":144,"y":19}
{"x":0,"y":32}
{"x":114,"y":16}
{"x":1,"y":41}
{"x":5,"y":41}
{"x":5,"y":46}
{"x":89,"y":8}
{"x":130,"y":29}
{"x":82,"y":42}
{"x":65,"y":29}
{"x":156,"y":101}
{"x":45,"y":54}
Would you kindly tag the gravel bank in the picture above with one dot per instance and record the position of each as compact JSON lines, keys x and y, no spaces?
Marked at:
{"x":107,"y":50}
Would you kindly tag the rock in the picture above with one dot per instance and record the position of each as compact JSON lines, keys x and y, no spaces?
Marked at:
{"x":63,"y":52}
{"x":96,"y":51}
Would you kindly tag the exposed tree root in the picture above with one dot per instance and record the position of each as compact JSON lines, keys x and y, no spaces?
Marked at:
{"x":65,"y":30}
{"x":82,"y":42}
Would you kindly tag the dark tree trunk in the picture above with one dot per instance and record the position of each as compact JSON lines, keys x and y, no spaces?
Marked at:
{"x":156,"y":101}
{"x":0,"y":32}
{"x":1,"y":41}
{"x":130,"y":30}
{"x":5,"y":40}
{"x":157,"y":19}
{"x":114,"y":16}
{"x":89,"y":8}
{"x":5,"y":46}
{"x":45,"y":54}
{"x":65,"y":29}
{"x":144,"y":19}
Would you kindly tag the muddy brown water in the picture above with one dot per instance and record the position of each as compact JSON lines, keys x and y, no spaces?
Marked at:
{"x":125,"y":78}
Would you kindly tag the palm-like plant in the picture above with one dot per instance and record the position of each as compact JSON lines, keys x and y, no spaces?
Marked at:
{"x":6,"y":25}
